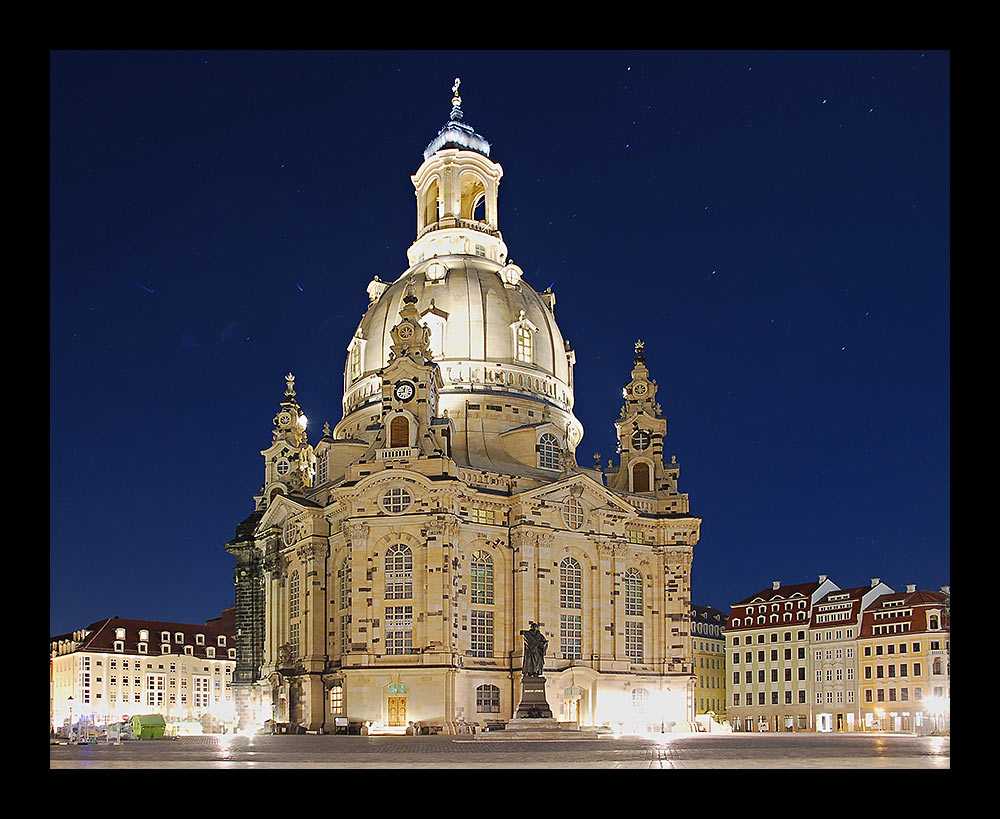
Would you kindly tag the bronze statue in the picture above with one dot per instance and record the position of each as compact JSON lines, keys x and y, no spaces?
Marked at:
{"x":534,"y":652}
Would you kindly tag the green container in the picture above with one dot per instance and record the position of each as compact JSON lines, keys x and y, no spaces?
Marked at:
{"x":148,"y":726}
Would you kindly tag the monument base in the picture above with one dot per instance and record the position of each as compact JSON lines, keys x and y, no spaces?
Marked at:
{"x":533,"y":703}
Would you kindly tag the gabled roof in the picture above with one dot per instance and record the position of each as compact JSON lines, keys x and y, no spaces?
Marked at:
{"x":782,"y":593}
{"x":102,"y":635}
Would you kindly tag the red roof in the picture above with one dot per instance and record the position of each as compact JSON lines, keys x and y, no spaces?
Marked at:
{"x":102,"y":636}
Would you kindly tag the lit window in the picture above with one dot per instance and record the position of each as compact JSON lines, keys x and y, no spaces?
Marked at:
{"x":524,"y":344}
{"x":337,"y":699}
{"x":293,"y":596}
{"x":481,"y":581}
{"x":355,"y":360}
{"x":571,"y":636}
{"x":482,"y":516}
{"x":481,"y":630}
{"x":398,"y":630}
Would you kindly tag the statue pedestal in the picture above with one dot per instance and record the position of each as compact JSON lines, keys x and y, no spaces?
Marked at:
{"x":533,"y":703}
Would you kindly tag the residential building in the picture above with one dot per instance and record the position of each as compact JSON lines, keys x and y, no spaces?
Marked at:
{"x":834,"y":678}
{"x":768,"y":643}
{"x":708,"y":647}
{"x":117,"y":667}
{"x":905,"y":661}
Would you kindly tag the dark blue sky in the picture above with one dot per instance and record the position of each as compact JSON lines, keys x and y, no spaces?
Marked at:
{"x":775,"y":226}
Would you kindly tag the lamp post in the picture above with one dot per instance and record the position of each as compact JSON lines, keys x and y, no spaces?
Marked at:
{"x":70,"y":701}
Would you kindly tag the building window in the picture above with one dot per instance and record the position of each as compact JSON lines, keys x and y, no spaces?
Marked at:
{"x":482,"y":633}
{"x":488,"y":699}
{"x":482,"y":516}
{"x":639,"y":697}
{"x":399,"y":630}
{"x":571,"y":636}
{"x":570,"y":584}
{"x":640,"y":477}
{"x":399,"y":432}
{"x":633,"y":641}
{"x":396,"y":500}
{"x":321,"y":468}
{"x":398,"y":572}
{"x":574,"y":515}
{"x":481,"y":581}
{"x":523,"y":350}
{"x":548,"y":451}
{"x":633,"y":593}
{"x":337,"y":699}
{"x":355,"y":359}
{"x":293,"y":594}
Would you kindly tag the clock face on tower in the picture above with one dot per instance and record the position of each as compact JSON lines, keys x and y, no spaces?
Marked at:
{"x":405,"y":331}
{"x":640,"y":439}
{"x":404,"y":391}
{"x":639,"y":388}
{"x":284,"y":419}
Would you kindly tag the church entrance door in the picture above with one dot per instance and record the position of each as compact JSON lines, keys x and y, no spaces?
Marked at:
{"x":397,"y":710}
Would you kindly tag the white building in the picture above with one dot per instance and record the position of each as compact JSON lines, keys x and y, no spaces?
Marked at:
{"x":116,"y":668}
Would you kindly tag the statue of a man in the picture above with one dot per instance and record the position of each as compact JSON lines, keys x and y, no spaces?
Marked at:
{"x":534,"y":652}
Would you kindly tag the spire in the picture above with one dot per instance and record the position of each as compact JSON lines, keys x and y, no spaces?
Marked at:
{"x":455,"y":133}
{"x":456,"y":101}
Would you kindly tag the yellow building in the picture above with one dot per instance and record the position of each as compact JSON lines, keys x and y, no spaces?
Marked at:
{"x":708,"y":649}
{"x":387,"y":570}
{"x":904,"y":662}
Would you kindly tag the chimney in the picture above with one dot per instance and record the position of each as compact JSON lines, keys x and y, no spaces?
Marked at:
{"x":876,"y":581}
{"x":775,"y":584}
{"x":911,"y":587}
{"x":822,"y":578}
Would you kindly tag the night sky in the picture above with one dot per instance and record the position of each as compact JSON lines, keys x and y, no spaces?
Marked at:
{"x":774,"y":225}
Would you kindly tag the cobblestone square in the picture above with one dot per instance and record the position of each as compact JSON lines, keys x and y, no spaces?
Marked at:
{"x":681,"y":752}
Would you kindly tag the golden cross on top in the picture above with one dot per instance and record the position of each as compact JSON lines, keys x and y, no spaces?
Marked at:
{"x":289,"y":384}
{"x":456,"y":100}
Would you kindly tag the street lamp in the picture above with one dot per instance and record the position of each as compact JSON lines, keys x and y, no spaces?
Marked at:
{"x":936,"y":707}
{"x":70,"y":701}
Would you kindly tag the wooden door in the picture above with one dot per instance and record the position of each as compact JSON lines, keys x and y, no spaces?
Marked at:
{"x":397,"y":710}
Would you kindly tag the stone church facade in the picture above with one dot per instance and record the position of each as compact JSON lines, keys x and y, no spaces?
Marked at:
{"x":386,"y":572}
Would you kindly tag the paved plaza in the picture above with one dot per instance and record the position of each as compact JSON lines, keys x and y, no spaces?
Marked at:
{"x":677,"y":751}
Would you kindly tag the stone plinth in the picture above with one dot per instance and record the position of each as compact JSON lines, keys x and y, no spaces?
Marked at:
{"x":534,"y":706}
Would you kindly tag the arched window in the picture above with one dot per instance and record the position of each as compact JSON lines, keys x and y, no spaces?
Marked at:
{"x":398,"y":572}
{"x":933,"y":621}
{"x":570,"y":584}
{"x":523,"y":350}
{"x":936,"y":669}
{"x":488,"y":699}
{"x":633,"y":593}
{"x":399,"y":432}
{"x":481,"y":581}
{"x":293,"y":594}
{"x":640,"y":477}
{"x":548,"y":451}
{"x":431,"y":204}
{"x":344,"y":604}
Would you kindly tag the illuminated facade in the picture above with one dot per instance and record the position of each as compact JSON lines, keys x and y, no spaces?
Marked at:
{"x":905,"y":662}
{"x":386,"y":571}
{"x":708,"y":650}
{"x":116,"y":668}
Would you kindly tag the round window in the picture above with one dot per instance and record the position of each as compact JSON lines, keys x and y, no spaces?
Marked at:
{"x":396,"y":500}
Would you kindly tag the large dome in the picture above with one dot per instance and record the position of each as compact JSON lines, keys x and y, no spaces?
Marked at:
{"x":488,"y":335}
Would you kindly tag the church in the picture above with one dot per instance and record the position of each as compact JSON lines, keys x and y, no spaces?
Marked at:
{"x":387,"y":571}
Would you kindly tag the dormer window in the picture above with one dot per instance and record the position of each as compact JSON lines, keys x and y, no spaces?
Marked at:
{"x":188,"y":650}
{"x":164,"y":636}
{"x":199,"y":639}
{"x":143,"y":635}
{"x":210,"y":651}
{"x":119,"y":645}
{"x":164,"y":648}
{"x":221,"y":641}
{"x":119,"y":634}
{"x":523,"y":345}
{"x":142,"y":648}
